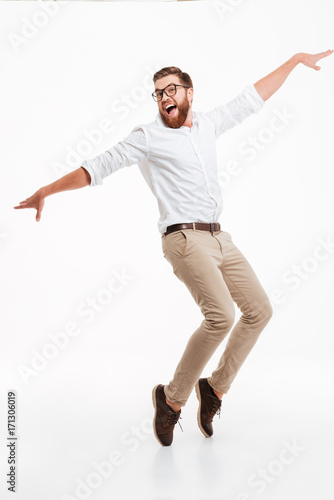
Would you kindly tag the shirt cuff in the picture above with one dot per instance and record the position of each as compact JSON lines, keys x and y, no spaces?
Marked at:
{"x":93,"y":179}
{"x":253,"y":97}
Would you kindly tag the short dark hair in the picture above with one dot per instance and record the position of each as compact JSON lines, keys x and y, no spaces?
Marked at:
{"x":173,"y":70}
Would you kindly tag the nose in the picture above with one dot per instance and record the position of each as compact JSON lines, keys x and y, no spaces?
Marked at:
{"x":166,"y":97}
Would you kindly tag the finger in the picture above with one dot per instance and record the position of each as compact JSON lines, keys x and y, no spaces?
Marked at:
{"x":24,"y":202}
{"x":328,"y":53}
{"x":21,"y":205}
{"x":325,"y":54}
{"x":38,"y":215}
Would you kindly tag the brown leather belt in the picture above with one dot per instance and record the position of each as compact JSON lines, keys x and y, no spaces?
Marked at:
{"x":205,"y":226}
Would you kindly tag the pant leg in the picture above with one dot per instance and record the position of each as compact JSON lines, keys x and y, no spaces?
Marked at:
{"x":196,"y":258}
{"x":254,"y":304}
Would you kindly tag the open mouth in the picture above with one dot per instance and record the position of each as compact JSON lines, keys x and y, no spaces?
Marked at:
{"x":171,"y":109}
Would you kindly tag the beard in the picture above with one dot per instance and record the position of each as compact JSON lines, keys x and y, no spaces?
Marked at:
{"x":179,"y":118}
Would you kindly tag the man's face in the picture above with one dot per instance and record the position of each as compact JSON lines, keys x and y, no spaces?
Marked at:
{"x":181,"y":102}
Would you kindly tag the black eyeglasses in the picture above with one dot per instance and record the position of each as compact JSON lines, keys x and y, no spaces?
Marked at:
{"x":169,"y":91}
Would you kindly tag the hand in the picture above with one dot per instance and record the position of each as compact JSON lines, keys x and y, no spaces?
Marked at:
{"x":310,"y":59}
{"x":34,"y":201}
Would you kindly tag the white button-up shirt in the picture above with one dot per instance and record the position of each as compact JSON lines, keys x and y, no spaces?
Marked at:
{"x":179,"y":165}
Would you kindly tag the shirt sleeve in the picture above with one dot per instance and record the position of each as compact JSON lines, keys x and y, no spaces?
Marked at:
{"x":131,"y":150}
{"x":237,"y":110}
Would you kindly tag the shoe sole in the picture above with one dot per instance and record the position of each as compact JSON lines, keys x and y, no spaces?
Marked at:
{"x":154,"y":399}
{"x":198,"y":394}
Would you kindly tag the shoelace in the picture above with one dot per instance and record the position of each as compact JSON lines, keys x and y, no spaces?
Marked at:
{"x":173,"y":418}
{"x":216,"y":406}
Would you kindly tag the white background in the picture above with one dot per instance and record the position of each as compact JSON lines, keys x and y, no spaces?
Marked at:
{"x":72,"y":72}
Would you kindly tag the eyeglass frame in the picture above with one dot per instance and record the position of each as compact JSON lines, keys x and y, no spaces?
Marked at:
{"x":163,"y":90}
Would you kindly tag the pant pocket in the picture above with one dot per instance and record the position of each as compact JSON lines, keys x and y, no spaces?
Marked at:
{"x":175,"y":244}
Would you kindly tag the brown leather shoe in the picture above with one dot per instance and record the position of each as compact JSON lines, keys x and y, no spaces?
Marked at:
{"x":209,"y":405}
{"x":165,"y":417}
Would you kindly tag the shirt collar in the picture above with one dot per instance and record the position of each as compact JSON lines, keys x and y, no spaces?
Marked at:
{"x":161,"y":123}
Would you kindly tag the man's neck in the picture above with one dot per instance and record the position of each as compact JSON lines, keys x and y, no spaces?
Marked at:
{"x":189,"y":120}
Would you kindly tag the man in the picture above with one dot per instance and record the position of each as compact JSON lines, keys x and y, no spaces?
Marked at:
{"x":177,"y":157}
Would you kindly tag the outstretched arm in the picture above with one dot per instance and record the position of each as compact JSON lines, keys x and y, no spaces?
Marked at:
{"x":74,"y":180}
{"x":129,"y":151}
{"x":272,"y":82}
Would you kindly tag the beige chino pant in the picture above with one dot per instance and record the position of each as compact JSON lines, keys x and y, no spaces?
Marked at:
{"x":217,"y":274}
